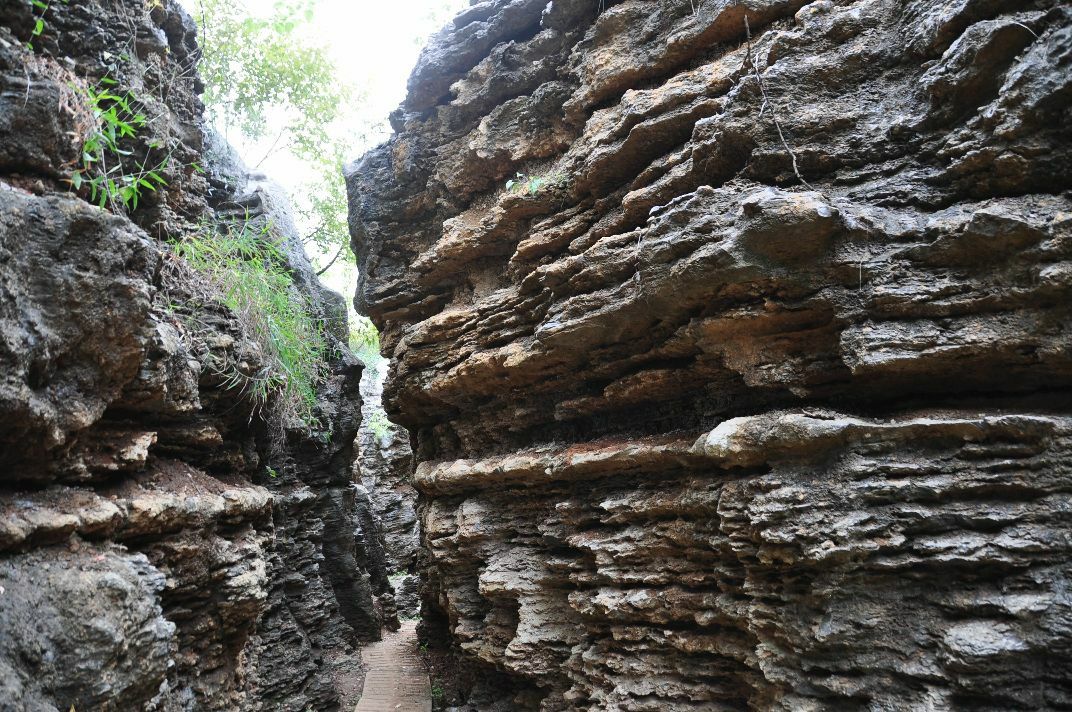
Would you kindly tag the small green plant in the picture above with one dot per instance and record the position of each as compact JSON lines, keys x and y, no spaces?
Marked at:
{"x":41,"y":8}
{"x":271,"y":472}
{"x":102,"y":170}
{"x":247,"y":273}
{"x":437,"y":692}
{"x":379,"y":424}
{"x":523,"y":184}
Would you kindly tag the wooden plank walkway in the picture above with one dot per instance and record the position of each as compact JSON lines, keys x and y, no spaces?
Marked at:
{"x":396,"y":680}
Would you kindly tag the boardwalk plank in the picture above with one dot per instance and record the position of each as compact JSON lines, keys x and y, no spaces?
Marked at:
{"x":396,"y":680}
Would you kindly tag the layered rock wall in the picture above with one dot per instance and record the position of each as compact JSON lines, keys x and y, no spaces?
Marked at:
{"x":161,"y":548}
{"x":751,"y":387}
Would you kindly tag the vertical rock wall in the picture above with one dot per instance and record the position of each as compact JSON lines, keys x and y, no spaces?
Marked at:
{"x":751,"y":388}
{"x":157,"y":551}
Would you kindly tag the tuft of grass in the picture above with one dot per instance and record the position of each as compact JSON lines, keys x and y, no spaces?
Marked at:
{"x":116,"y":120}
{"x":246,"y":272}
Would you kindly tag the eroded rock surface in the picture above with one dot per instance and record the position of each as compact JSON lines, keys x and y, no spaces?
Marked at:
{"x":161,"y":546}
{"x":752,"y":388}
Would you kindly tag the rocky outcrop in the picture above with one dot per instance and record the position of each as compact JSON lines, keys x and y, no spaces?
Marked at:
{"x":751,"y":388}
{"x":163,"y":545}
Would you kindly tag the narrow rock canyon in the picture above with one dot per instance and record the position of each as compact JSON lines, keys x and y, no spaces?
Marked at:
{"x":729,"y":367}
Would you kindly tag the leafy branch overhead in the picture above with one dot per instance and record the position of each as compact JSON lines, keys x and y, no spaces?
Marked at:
{"x":267,"y":82}
{"x":254,"y":66}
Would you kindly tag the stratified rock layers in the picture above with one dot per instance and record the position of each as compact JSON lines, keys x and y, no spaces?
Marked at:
{"x":752,"y":389}
{"x":160,"y":547}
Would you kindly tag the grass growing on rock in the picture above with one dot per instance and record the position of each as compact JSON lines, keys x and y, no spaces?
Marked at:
{"x":246,"y":272}
{"x":115,"y":118}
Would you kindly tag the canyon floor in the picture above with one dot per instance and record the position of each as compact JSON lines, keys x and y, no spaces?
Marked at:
{"x":396,"y":679}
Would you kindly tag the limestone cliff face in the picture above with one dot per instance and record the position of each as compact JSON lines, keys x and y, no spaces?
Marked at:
{"x":752,"y":390}
{"x":157,"y":550}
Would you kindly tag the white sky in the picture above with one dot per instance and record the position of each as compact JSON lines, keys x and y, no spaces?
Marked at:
{"x":375,"y":44}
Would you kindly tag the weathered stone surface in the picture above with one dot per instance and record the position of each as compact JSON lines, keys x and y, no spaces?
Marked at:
{"x":85,"y":625}
{"x":66,"y":357}
{"x":161,"y":546}
{"x":693,"y":433}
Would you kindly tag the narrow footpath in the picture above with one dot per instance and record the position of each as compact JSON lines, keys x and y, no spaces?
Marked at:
{"x":396,"y":680}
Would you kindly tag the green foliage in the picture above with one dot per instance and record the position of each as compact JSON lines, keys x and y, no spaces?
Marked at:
{"x":437,"y":692}
{"x":365,"y":343}
{"x":247,"y":272}
{"x":255,"y":65}
{"x":41,"y":8}
{"x":264,"y":80}
{"x":102,"y":172}
{"x":523,"y":184}
{"x":365,"y":340}
{"x":326,"y":208}
{"x":379,"y":424}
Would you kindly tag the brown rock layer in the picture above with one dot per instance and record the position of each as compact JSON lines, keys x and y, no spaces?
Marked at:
{"x":752,"y":389}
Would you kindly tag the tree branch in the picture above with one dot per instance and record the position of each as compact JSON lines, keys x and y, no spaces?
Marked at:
{"x":333,"y":259}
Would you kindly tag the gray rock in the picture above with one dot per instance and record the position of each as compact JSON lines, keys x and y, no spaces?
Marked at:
{"x":82,"y":629}
{"x":407,"y":595}
{"x":149,"y":558}
{"x":65,"y":357}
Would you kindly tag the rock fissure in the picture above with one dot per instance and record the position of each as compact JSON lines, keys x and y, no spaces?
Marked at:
{"x":169,"y":539}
